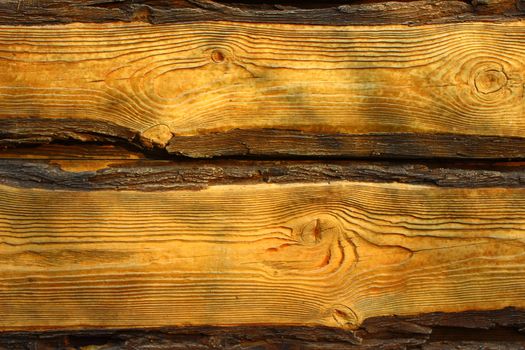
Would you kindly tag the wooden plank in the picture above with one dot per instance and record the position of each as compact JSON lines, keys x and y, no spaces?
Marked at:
{"x":298,"y":254}
{"x":385,"y":84}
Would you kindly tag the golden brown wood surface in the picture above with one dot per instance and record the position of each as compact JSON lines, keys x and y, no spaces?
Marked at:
{"x":297,"y":254}
{"x":200,"y":78}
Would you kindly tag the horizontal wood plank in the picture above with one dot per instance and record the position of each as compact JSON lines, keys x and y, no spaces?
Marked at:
{"x":297,"y":254}
{"x":447,"y":90}
{"x":249,"y":254}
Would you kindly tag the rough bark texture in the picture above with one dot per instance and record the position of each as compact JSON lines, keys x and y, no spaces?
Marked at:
{"x":38,"y":12}
{"x":486,"y":330}
{"x":18,"y":132}
{"x":79,"y":151}
{"x":270,"y":142}
{"x":159,"y":175}
{"x":279,"y":143}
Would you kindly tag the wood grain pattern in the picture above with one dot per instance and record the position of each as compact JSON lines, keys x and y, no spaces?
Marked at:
{"x":190,"y":80}
{"x":300,"y":254}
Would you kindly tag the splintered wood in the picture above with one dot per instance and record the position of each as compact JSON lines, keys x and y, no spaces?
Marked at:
{"x":297,"y":254}
{"x":207,"y":78}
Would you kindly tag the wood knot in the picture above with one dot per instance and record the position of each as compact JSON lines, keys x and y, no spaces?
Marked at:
{"x":315,"y":247}
{"x":490,"y":81}
{"x":345,"y":317}
{"x":158,"y":135}
{"x":318,"y":229}
{"x":490,"y":85}
{"x":217,"y":56}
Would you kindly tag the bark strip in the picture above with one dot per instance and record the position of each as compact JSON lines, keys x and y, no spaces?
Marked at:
{"x":162,"y":175}
{"x":474,"y":330}
{"x":41,"y":12}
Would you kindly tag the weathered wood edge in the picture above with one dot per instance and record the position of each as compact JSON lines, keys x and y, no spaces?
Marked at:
{"x":273,"y":142}
{"x":29,"y":12}
{"x":159,"y":175}
{"x":80,"y":151}
{"x":497,"y":329}
{"x":18,"y":132}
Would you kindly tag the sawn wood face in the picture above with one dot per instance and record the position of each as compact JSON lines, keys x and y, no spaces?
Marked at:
{"x":189,"y":80}
{"x":298,"y":254}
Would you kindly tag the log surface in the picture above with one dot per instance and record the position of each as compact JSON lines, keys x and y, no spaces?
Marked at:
{"x":296,"y":254}
{"x":211,"y":89}
{"x":99,"y":254}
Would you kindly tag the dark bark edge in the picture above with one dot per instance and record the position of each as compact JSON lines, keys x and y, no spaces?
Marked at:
{"x":155,"y":175}
{"x":42,"y":12}
{"x":497,"y":330}
{"x":34,"y":12}
{"x":275,"y":143}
